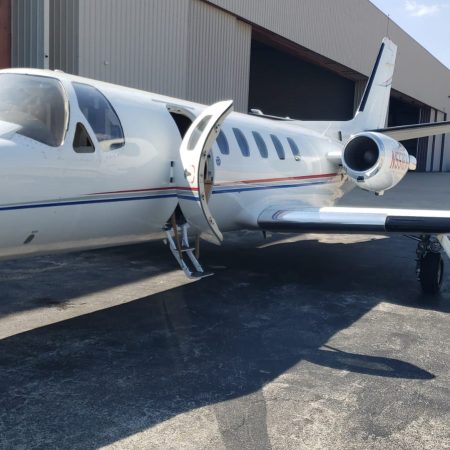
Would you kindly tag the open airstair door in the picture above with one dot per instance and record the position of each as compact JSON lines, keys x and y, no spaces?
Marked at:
{"x":196,"y":185}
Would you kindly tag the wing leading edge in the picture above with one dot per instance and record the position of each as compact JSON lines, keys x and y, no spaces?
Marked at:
{"x":355,"y":220}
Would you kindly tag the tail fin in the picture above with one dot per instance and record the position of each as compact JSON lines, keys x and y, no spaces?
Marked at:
{"x":374,"y":106}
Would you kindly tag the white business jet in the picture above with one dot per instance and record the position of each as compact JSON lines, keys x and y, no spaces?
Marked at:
{"x":86,"y":164}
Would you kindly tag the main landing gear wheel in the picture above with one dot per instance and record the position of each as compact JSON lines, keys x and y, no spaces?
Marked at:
{"x":430,"y":265}
{"x":431,"y":272}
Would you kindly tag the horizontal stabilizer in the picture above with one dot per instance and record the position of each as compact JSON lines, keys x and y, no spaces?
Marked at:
{"x":355,"y":220}
{"x":420,"y":130}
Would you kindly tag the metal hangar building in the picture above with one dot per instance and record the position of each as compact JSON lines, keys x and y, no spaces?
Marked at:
{"x":306,"y":59}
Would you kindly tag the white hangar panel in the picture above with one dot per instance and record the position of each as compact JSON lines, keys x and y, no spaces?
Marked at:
{"x":219,"y":56}
{"x":181,"y":48}
{"x":64,"y":35}
{"x":28,"y":33}
{"x":141,"y":43}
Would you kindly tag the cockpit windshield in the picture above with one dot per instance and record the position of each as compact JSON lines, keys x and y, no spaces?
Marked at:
{"x":37,"y":104}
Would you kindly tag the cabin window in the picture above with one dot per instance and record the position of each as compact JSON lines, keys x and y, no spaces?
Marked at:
{"x":278,"y":146}
{"x":261,"y":144}
{"x":101,"y":116}
{"x":222,"y":142}
{"x":82,"y":142}
{"x":38,"y":105}
{"x":294,"y":147}
{"x":242,"y":141}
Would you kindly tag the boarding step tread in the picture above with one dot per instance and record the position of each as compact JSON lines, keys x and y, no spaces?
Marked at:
{"x":178,"y":240}
{"x":198,"y":275}
{"x":186,"y":249}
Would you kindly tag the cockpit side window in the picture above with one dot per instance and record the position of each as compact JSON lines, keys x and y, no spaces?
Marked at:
{"x":82,"y":142}
{"x":37,"y":104}
{"x":101,"y":116}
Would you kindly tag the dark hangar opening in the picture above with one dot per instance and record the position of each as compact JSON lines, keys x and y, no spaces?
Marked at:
{"x":406,"y":111}
{"x":287,"y":79}
{"x":403,"y":113}
{"x":284,"y":84}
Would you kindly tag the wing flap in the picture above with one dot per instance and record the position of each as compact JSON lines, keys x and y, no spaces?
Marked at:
{"x":355,"y":220}
{"x":420,"y":130}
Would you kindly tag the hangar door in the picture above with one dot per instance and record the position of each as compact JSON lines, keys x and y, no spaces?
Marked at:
{"x":285,"y":84}
{"x":403,"y":113}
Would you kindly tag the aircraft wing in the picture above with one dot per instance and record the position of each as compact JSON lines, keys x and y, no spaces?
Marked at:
{"x":355,"y":220}
{"x":420,"y":130}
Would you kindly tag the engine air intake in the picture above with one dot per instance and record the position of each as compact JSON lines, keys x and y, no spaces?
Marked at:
{"x":375,"y":162}
{"x":361,"y":153}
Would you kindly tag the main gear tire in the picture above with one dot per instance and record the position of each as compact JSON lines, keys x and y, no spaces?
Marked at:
{"x":431,"y":273}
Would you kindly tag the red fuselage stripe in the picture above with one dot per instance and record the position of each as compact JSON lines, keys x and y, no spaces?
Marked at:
{"x":271,"y":180}
{"x":230,"y":183}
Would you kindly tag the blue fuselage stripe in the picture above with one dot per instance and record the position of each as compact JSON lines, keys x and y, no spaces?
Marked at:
{"x":260,"y":188}
{"x":85,"y":202}
{"x":154,"y":197}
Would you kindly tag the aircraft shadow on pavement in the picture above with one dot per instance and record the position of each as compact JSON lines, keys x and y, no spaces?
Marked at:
{"x":96,"y":379}
{"x":53,"y":281}
{"x":367,"y":365}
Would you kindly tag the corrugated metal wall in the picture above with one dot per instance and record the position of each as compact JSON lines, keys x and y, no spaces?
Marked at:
{"x":63,"y":35}
{"x":147,"y":43}
{"x":431,"y":141}
{"x":445,"y":157}
{"x":139,"y":43}
{"x":144,"y":43}
{"x":181,"y":48}
{"x":423,"y":143}
{"x":27,"y":33}
{"x":191,"y":49}
{"x":437,"y":143}
{"x":436,"y":146}
{"x":219,"y":56}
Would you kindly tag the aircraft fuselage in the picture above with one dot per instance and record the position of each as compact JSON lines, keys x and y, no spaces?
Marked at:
{"x":55,"y":198}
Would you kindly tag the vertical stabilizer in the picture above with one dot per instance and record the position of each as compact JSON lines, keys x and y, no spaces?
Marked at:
{"x":374,"y":106}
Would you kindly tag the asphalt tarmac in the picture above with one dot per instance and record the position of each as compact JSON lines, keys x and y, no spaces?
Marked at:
{"x":296,"y":342}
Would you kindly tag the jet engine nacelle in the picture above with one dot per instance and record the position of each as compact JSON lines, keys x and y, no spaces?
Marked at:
{"x":376,"y":162}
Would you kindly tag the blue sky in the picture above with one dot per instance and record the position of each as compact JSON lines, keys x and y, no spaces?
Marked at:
{"x":427,"y":21}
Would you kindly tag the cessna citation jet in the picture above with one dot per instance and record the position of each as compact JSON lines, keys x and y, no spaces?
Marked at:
{"x":86,"y":164}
